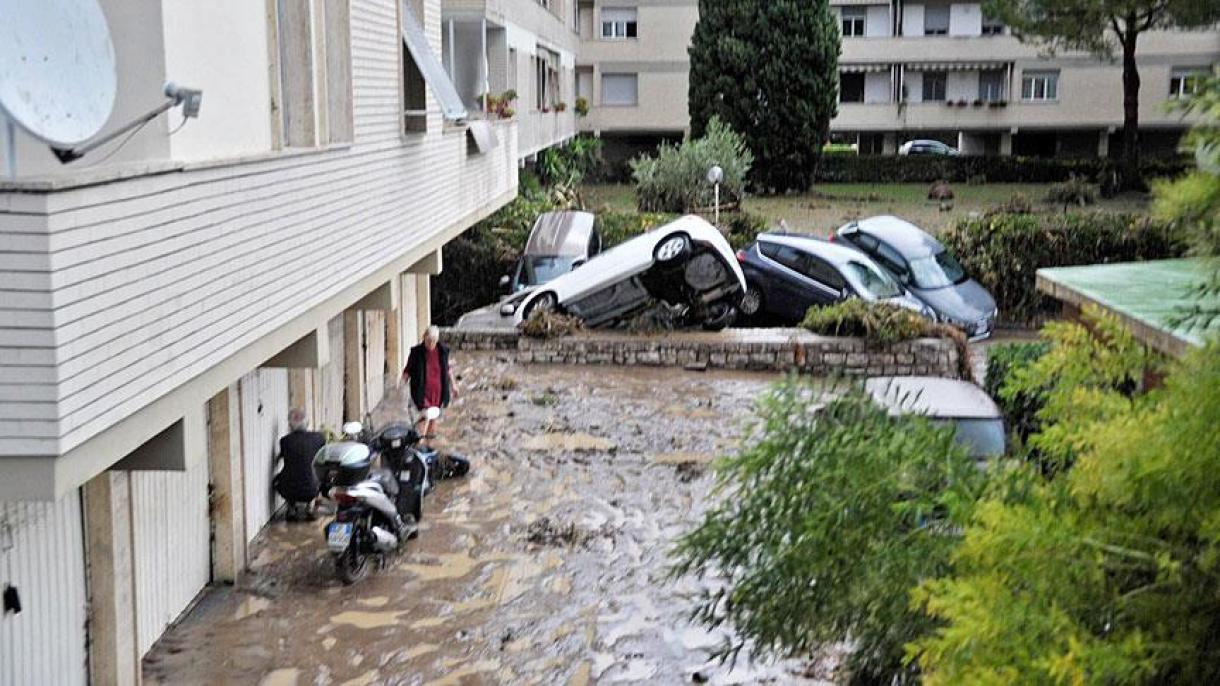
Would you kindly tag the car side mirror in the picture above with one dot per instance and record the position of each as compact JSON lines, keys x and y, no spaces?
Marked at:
{"x":504,"y":281}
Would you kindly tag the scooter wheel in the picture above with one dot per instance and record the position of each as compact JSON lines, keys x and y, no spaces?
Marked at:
{"x":352,"y":566}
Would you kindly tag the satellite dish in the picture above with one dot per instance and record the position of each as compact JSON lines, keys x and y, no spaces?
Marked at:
{"x":57,"y":74}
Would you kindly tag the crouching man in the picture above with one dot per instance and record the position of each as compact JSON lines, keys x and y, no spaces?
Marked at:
{"x":296,"y":482}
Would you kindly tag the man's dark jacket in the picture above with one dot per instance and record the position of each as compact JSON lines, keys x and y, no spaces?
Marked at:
{"x":417,"y":368}
{"x":297,"y":482}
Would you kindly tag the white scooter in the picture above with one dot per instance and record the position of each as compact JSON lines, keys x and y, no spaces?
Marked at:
{"x":377,"y":511}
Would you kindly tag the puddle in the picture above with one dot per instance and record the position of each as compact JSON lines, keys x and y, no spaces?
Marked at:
{"x":567,"y":443}
{"x":366,"y":620}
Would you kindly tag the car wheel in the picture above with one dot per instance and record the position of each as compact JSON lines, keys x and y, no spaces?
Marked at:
{"x":547,"y":302}
{"x":751,"y":302}
{"x":672,"y":248}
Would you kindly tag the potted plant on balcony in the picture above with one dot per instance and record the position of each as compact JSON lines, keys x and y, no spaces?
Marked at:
{"x":978,"y":102}
{"x":581,"y":107}
{"x":963,"y":103}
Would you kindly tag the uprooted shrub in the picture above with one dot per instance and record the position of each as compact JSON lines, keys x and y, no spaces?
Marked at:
{"x":547,"y":324}
{"x":882,"y":324}
{"x":1004,"y":251}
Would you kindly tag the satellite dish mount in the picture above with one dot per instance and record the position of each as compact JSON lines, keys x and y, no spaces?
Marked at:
{"x":189,"y":98}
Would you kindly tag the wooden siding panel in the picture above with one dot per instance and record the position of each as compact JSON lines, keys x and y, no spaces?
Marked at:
{"x":150,"y":281}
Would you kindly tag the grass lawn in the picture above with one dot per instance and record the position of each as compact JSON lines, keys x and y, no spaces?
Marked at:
{"x":829,"y":206}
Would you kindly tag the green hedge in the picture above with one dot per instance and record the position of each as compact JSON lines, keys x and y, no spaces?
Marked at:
{"x":1020,"y":409}
{"x":1003,"y":251}
{"x":979,"y":169}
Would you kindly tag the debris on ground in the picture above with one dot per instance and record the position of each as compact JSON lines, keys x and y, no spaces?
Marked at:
{"x":546,"y":531}
{"x":550,"y":324}
{"x":689,"y":471}
{"x":940,"y":191}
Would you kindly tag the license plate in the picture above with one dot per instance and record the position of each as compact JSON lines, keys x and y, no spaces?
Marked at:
{"x":338,"y":536}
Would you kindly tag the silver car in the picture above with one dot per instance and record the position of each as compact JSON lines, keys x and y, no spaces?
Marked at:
{"x":978,"y":423}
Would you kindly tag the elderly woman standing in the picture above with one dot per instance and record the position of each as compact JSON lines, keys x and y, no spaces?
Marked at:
{"x":427,"y":374}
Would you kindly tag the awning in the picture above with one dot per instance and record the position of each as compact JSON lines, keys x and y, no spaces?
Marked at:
{"x":862,"y":68}
{"x":955,"y":66}
{"x":430,"y":67}
{"x":482,"y":134}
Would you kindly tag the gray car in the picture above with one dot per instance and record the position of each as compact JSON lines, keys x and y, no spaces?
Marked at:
{"x":977,"y":422}
{"x":921,"y":264}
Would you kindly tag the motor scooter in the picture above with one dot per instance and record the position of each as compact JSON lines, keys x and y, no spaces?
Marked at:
{"x":377,"y":510}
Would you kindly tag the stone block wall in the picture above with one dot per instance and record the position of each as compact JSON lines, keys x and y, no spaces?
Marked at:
{"x":779,"y":350}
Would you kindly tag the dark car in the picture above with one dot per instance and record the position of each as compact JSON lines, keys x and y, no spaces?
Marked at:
{"x":559,"y":242}
{"x":921,"y":264}
{"x":786,"y":274}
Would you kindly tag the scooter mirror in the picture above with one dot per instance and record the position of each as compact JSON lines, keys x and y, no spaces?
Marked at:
{"x":353,"y":428}
{"x":432,"y":413}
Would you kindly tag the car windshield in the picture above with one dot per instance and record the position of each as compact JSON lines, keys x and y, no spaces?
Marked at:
{"x":980,"y":437}
{"x":539,"y":270}
{"x":873,"y":281}
{"x":937,"y":271}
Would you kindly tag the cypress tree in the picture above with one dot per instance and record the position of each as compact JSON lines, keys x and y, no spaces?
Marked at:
{"x":770,"y":69}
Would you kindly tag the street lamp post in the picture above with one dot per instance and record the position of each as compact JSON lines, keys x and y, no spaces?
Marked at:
{"x":714,"y":176}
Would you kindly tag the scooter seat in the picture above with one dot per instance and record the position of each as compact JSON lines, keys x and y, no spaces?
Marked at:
{"x":385,"y":479}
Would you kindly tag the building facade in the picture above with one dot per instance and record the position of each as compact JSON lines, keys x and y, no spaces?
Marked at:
{"x":164,"y":303}
{"x":908,"y":70}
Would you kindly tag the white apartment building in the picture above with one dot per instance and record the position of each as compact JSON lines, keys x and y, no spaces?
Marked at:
{"x":525,"y":46}
{"x":908,"y":70}
{"x":163,"y":304}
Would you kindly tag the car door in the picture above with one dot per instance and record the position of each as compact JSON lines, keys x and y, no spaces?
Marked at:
{"x":893,"y":262}
{"x":785,"y":290}
{"x":833,"y":286}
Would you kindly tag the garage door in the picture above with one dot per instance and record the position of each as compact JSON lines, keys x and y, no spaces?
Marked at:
{"x":42,"y":553}
{"x":264,"y":418}
{"x":171,"y":545}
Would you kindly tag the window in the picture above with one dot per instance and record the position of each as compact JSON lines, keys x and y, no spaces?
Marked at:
{"x":853,"y":21}
{"x":620,"y":89}
{"x":1040,"y":85}
{"x":934,"y":83}
{"x":1185,"y":81}
{"x":936,"y":20}
{"x":874,"y":283}
{"x":785,"y":255}
{"x":851,"y":87}
{"x":991,"y":85}
{"x":992,"y":27}
{"x":314,"y":98}
{"x":421,"y":66}
{"x":823,"y":273}
{"x":618,"y":22}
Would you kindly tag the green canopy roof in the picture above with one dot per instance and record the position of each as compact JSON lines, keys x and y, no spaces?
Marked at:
{"x":1148,"y":297}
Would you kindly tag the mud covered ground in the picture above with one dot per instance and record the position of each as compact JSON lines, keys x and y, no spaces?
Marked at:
{"x":547,"y":565}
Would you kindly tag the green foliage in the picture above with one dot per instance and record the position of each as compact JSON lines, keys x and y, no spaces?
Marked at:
{"x":568,"y":165}
{"x":1075,"y":191}
{"x":827,"y":516}
{"x":1108,"y":574}
{"x":769,"y":70}
{"x":743,"y":227}
{"x":616,"y":227}
{"x":873,"y":321}
{"x":676,"y":179}
{"x":581,"y":108}
{"x":1003,"y":251}
{"x":1194,"y":201}
{"x":1088,"y":374}
{"x":1020,"y":407}
{"x":978,"y":168}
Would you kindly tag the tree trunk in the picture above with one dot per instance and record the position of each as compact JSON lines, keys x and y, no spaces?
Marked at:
{"x":1131,"y":178}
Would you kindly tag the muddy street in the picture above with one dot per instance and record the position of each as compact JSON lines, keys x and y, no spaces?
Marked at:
{"x":546,"y":565}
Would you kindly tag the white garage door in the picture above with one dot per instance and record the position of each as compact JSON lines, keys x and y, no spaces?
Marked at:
{"x":171,"y":544}
{"x":45,"y":642}
{"x":264,"y":418}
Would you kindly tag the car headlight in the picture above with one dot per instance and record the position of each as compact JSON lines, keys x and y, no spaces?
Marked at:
{"x":507,"y":309}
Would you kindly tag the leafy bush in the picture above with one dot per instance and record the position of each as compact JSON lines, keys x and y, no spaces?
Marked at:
{"x":453,"y":291}
{"x":581,"y":108}
{"x":1003,"y":251}
{"x":1108,"y":574}
{"x":743,"y":227}
{"x":1089,"y":373}
{"x":568,"y":165}
{"x":676,"y":179}
{"x":1074,"y":191}
{"x":1020,"y":407}
{"x":973,"y":168}
{"x":616,"y":227}
{"x":828,"y":516}
{"x":1017,"y":203}
{"x":874,"y":322}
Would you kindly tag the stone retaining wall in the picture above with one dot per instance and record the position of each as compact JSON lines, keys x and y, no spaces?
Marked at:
{"x":743,"y":349}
